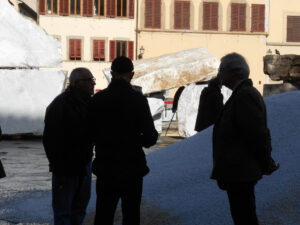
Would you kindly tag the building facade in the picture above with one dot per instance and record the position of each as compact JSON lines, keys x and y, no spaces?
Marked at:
{"x":92,"y":32}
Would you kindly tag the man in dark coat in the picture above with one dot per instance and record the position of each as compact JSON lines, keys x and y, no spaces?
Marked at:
{"x":121,"y":124}
{"x":69,"y":149}
{"x":241,"y":141}
{"x":210,"y":105}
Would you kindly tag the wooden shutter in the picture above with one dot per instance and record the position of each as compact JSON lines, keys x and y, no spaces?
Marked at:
{"x":206,"y":16}
{"x":293,"y":29}
{"x":42,"y":7}
{"x":157,"y":14}
{"x":111,"y":8}
{"x":99,"y":50}
{"x":64,"y":7}
{"x":214,"y":15}
{"x":177,"y":15}
{"x":112,"y":50}
{"x":258,"y":18}
{"x":78,"y":48}
{"x":148,"y":13}
{"x":238,"y":17}
{"x":131,"y":9}
{"x":72,"y":49}
{"x":186,"y":15}
{"x":210,"y":15}
{"x":96,"y":52}
{"x":130,"y":50}
{"x":87,"y":8}
{"x":102,"y":49}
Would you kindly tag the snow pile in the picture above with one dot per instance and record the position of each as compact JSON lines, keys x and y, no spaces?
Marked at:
{"x":23,"y":43}
{"x":157,"y":107}
{"x":173,"y":70}
{"x":24,"y":96}
{"x":188,"y":107}
{"x":179,"y":179}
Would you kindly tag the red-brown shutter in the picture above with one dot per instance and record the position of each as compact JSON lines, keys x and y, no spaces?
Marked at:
{"x":157,"y":14}
{"x":293,"y":29}
{"x":78,"y":48}
{"x":102,"y":49}
{"x":112,"y":50}
{"x":42,"y":7}
{"x":96,"y":55}
{"x":206,"y":16}
{"x":177,"y":15}
{"x":258,"y":18}
{"x":64,"y":7}
{"x":113,"y":8}
{"x":130,"y":50}
{"x":148,"y":13}
{"x":87,"y":8}
{"x":186,"y":15}
{"x":214,"y":15}
{"x":131,"y":9}
{"x":72,"y":49}
{"x":238,"y":17}
{"x":242,"y":17}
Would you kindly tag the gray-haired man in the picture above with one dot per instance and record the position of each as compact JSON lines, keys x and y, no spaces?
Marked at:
{"x":69,"y":150}
{"x":241,"y":141}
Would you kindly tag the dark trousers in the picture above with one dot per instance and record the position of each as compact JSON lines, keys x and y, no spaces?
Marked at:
{"x":108,"y":194}
{"x":242,"y":202}
{"x":70,"y":197}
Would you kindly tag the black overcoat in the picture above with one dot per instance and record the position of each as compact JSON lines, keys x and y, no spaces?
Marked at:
{"x":121,"y":124}
{"x":241,"y":139}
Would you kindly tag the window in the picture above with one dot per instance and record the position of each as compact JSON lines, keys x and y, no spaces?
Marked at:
{"x":75,"y":49}
{"x":99,"y":7}
{"x":87,"y":8}
{"x":293,"y":29}
{"x":238,"y":17}
{"x":121,"y":48}
{"x":153,"y":14}
{"x":64,"y":7}
{"x":258,"y":18}
{"x":52,"y":6}
{"x":120,"y":8}
{"x":210,"y":15}
{"x":99,"y":50}
{"x":75,"y":7}
{"x":182,"y":15}
{"x":42,"y":6}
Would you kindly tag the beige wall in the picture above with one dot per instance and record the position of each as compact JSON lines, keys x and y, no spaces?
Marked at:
{"x":88,"y":28}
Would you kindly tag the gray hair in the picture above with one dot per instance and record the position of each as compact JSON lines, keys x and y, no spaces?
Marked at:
{"x":235,"y":64}
{"x":77,"y":74}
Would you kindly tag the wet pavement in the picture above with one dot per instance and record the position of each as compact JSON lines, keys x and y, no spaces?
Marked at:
{"x":26,"y":191}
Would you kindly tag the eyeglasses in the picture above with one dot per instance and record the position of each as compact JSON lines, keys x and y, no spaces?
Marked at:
{"x":91,"y":79}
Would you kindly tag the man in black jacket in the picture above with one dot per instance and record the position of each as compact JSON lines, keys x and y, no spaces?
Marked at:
{"x":69,"y":149}
{"x":210,"y":105}
{"x":241,"y":141}
{"x":121,"y":124}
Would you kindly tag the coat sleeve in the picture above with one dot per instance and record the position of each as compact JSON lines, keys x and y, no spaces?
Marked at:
{"x":148,"y":131}
{"x":250,"y":118}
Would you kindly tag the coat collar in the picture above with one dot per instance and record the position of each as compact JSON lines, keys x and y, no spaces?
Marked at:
{"x":119,"y":83}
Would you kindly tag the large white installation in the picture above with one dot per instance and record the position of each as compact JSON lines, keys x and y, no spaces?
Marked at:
{"x":188,"y":107}
{"x":24,"y":96}
{"x":173,"y":70}
{"x":23,"y":43}
{"x":25,"y":93}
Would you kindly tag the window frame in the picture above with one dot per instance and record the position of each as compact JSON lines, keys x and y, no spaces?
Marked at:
{"x":99,"y":7}
{"x":75,"y":8}
{"x":76,"y":58}
{"x":52,"y":7}
{"x":127,"y":8}
{"x":129,"y":51}
{"x":99,"y":59}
